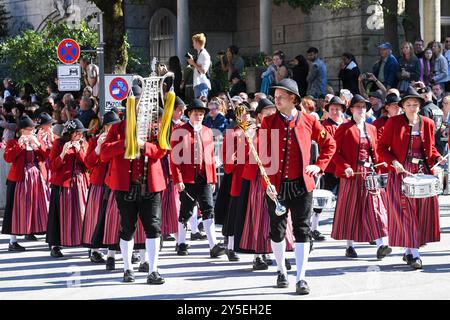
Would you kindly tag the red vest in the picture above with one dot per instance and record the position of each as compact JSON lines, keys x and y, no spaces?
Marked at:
{"x":15,"y":155}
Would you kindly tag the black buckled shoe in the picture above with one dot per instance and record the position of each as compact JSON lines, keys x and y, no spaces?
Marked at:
{"x":198,"y":236}
{"x":217,"y":251}
{"x":15,"y":247}
{"x":317,"y":236}
{"x":259,"y":264}
{"x":182,"y":249}
{"x":267,"y":260}
{"x":110,"y":263}
{"x":407,"y":258}
{"x":416,"y":263}
{"x":31,"y":237}
{"x":383,"y":251}
{"x":282,"y":281}
{"x":168,"y":237}
{"x":287,"y":263}
{"x":155,"y":278}
{"x":128,"y":276}
{"x":351,"y":253}
{"x":56,"y":252}
{"x":97,"y":257}
{"x":144,"y":267}
{"x":302,"y":288}
{"x":232,"y":256}
{"x":135,"y":258}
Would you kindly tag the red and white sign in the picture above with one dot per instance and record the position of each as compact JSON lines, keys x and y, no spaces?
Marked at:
{"x":68,"y":51}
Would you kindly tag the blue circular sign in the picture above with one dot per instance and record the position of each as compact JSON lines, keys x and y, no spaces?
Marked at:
{"x":118,"y":89}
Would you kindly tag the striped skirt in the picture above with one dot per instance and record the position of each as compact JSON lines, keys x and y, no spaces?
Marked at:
{"x":255,"y":236}
{"x":92,"y":215}
{"x":170,"y":209}
{"x":360,"y":215}
{"x":111,"y":236}
{"x":66,"y":214}
{"x":412,"y":222}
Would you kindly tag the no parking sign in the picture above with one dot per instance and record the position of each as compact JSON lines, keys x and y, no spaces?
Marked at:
{"x":116,"y":90}
{"x":68,"y":51}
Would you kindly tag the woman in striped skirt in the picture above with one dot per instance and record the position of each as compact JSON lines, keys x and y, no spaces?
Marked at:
{"x":47,"y":138}
{"x":97,"y":192}
{"x":360,"y":213}
{"x":407,"y":144}
{"x":255,"y":235}
{"x":69,"y":187}
{"x":27,"y":194}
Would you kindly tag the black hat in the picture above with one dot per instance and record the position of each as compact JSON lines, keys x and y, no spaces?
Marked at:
{"x":392,"y":98}
{"x":73,"y":125}
{"x":335,"y":100}
{"x":110,"y":118}
{"x":246,"y":105}
{"x":45,"y":119}
{"x":179,"y":102}
{"x":411,"y":93}
{"x":137,"y":91}
{"x":26,"y":122}
{"x":376,"y":94}
{"x":423,"y":90}
{"x":197,"y":104}
{"x":263,"y":104}
{"x":288,"y":85}
{"x":358,"y":98}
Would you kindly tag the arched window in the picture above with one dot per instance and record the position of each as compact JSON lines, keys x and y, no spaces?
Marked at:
{"x":162,"y":35}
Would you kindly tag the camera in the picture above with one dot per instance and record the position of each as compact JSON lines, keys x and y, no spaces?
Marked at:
{"x":187,"y":56}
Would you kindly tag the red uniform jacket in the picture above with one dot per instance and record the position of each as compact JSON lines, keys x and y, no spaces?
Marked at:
{"x":308,"y":128}
{"x":182,"y":154}
{"x":379,"y":124}
{"x":347,"y":146}
{"x":94,"y":164}
{"x":394,"y":143}
{"x":119,"y":176}
{"x":251,"y":169}
{"x":331,"y":127}
{"x":62,"y":170}
{"x":15,"y":155}
{"x":240,"y":147}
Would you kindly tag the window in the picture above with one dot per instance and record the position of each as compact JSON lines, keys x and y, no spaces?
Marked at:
{"x":162,"y":35}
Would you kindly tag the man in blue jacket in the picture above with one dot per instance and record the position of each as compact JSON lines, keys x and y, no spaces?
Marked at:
{"x":386,"y":68}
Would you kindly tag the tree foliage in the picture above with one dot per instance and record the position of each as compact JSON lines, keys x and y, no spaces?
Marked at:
{"x":307,"y":5}
{"x":32,"y":55}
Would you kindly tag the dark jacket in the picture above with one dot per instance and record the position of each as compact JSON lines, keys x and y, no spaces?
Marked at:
{"x":349,"y":78}
{"x":390,"y":71}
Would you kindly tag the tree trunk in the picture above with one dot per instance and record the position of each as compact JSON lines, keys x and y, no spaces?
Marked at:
{"x":116,"y":52}
{"x":390,"y":9}
{"x":411,"y":21}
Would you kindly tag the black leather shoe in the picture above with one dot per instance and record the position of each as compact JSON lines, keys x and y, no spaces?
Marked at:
{"x":135,"y":258}
{"x":182,"y":250}
{"x":56,"y":252}
{"x":128,"y":276}
{"x":287,"y":264}
{"x":168,"y":237}
{"x":317,"y":236}
{"x":110,"y":263}
{"x":97,"y":257}
{"x":31,"y":237}
{"x":176,"y":247}
{"x":302,"y":288}
{"x":198,"y":236}
{"x":267,"y":260}
{"x":143,"y":267}
{"x":15,"y":247}
{"x":351,"y":253}
{"x":259,"y":264}
{"x":282,"y":281}
{"x":311,"y":246}
{"x":407,"y":258}
{"x":232,"y":256}
{"x":217,"y":251}
{"x":155,"y":278}
{"x":416,"y":263}
{"x":383,"y":251}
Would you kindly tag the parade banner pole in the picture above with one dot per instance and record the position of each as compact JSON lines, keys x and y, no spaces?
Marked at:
{"x":101,"y":63}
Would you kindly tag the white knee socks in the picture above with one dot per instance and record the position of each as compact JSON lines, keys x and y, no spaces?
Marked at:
{"x":415,"y":252}
{"x":12,"y":239}
{"x":152,"y":246}
{"x":194,"y":221}
{"x":111,"y":254}
{"x":210,"y":232}
{"x":126,"y":247}
{"x":315,"y":221}
{"x":301,"y":259}
{"x":181,"y":233}
{"x":230,"y":242}
{"x":350,"y":243}
{"x":278,"y":250}
{"x":142,"y":254}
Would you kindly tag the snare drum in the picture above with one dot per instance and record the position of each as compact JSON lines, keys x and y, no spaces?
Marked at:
{"x":323,"y":199}
{"x":439,"y":173}
{"x":376,"y":181}
{"x":421,"y":186}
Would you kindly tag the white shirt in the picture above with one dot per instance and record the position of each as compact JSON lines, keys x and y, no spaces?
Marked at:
{"x":93,"y":73}
{"x":203,"y":61}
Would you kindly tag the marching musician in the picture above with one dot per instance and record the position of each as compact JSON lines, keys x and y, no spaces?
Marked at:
{"x":194,"y":174}
{"x":407,"y":145}
{"x":27,"y":193}
{"x":360,"y":213}
{"x":126,"y":178}
{"x":47,"y":138}
{"x":69,"y":187}
{"x":392,"y":108}
{"x":293,"y":179}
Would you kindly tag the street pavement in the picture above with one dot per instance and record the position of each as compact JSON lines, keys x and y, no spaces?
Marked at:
{"x":34,"y":275}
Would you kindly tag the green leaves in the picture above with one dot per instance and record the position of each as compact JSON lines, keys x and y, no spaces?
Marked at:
{"x":307,"y":5}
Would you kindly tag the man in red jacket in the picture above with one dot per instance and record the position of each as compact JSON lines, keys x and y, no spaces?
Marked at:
{"x":290,"y":133}
{"x":126,"y":178}
{"x":194,"y":174}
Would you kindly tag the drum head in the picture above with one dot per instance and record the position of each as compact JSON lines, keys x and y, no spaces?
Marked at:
{"x":421,"y":179}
